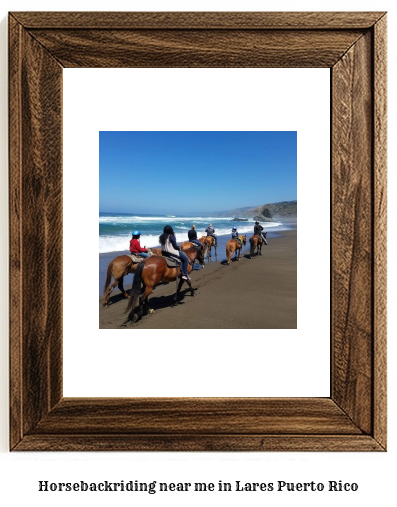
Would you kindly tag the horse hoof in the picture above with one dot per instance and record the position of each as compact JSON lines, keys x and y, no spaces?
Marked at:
{"x":135,"y":317}
{"x":106,"y":306}
{"x":151,"y":310}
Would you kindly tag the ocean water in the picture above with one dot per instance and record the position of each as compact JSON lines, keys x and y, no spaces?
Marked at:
{"x":115,"y":228}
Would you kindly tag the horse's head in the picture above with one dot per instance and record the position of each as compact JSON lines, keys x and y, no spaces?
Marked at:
{"x":203,"y":242}
{"x":200,"y":255}
{"x":243,"y":239}
{"x":195,"y":252}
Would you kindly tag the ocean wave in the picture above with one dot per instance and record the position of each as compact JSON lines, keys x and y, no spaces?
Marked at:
{"x":242,"y":228}
{"x":134,"y":219}
{"x":122,"y":242}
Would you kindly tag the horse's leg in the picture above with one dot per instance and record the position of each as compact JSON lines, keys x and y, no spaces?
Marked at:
{"x":145,"y":298}
{"x":190,"y":287}
{"x":143,"y":304}
{"x":178,"y":290}
{"x":121,"y":287}
{"x":110,"y":290}
{"x":148,"y":308}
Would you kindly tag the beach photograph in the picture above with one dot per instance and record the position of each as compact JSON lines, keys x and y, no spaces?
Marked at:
{"x":197,"y":230}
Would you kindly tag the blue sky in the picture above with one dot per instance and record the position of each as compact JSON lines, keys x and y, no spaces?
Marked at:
{"x":184,"y":172}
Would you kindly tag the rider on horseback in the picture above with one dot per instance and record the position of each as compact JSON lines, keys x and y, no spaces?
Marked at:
{"x":170,"y":249}
{"x":258,"y":231}
{"x":192,"y":235}
{"x":235,"y":235}
{"x":135,"y":246}
{"x":211,"y":232}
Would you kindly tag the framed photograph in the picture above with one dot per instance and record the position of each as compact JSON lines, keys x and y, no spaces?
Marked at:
{"x":353,"y":47}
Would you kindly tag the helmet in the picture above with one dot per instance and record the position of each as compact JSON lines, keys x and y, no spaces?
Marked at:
{"x":234,"y":229}
{"x":256,"y":223}
{"x":136,"y":233}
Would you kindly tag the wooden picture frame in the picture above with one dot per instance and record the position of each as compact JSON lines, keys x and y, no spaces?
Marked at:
{"x":353,"y":46}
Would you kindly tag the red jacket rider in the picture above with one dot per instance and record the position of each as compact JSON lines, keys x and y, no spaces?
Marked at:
{"x":135,"y":246}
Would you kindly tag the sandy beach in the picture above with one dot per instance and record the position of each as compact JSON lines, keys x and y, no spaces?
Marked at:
{"x":257,"y":293}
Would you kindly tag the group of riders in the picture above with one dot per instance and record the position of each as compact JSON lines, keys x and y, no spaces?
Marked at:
{"x":170,"y":249}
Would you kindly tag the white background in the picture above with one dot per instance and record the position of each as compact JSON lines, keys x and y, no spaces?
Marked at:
{"x":114,"y":362}
{"x":374,"y":472}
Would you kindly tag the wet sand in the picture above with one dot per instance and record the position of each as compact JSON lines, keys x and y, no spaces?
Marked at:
{"x":257,"y":293}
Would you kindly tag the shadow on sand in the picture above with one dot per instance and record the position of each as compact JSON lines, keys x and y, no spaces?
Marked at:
{"x":161,"y":302}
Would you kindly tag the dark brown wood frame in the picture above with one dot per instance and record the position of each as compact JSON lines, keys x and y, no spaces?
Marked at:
{"x":353,"y":46}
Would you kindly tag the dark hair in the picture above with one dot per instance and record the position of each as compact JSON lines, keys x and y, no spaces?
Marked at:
{"x":167,"y":232}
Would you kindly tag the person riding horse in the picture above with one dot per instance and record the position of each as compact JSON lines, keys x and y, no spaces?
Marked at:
{"x":211,"y":232}
{"x":170,"y":249}
{"x":192,"y":235}
{"x":135,"y":245}
{"x":258,"y":231}
{"x":235,"y":235}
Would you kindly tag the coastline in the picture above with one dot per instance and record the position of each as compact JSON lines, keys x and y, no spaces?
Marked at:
{"x":106,"y":257}
{"x":258,"y":293}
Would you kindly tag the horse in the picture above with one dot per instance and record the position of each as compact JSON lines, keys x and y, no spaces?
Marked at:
{"x":153,"y":271}
{"x":235,"y":246}
{"x":208,"y":242}
{"x":257,"y":241}
{"x":186,"y":245}
{"x":119,"y":267}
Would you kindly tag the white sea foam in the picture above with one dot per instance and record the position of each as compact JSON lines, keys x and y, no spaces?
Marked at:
{"x":134,"y":219}
{"x":242,"y":228}
{"x":122,"y":242}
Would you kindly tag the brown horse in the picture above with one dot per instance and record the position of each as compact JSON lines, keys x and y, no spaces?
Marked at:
{"x":186,"y":245}
{"x":234,"y":246}
{"x":119,"y":267}
{"x":257,"y":242}
{"x":208,"y":242}
{"x":153,"y":271}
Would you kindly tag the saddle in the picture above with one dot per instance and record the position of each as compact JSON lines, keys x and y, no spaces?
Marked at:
{"x":136,"y":259}
{"x":171,"y":263}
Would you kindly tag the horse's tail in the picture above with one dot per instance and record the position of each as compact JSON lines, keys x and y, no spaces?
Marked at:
{"x":252,"y":243}
{"x":136,"y":287}
{"x":228,"y":253}
{"x":108,"y":278}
